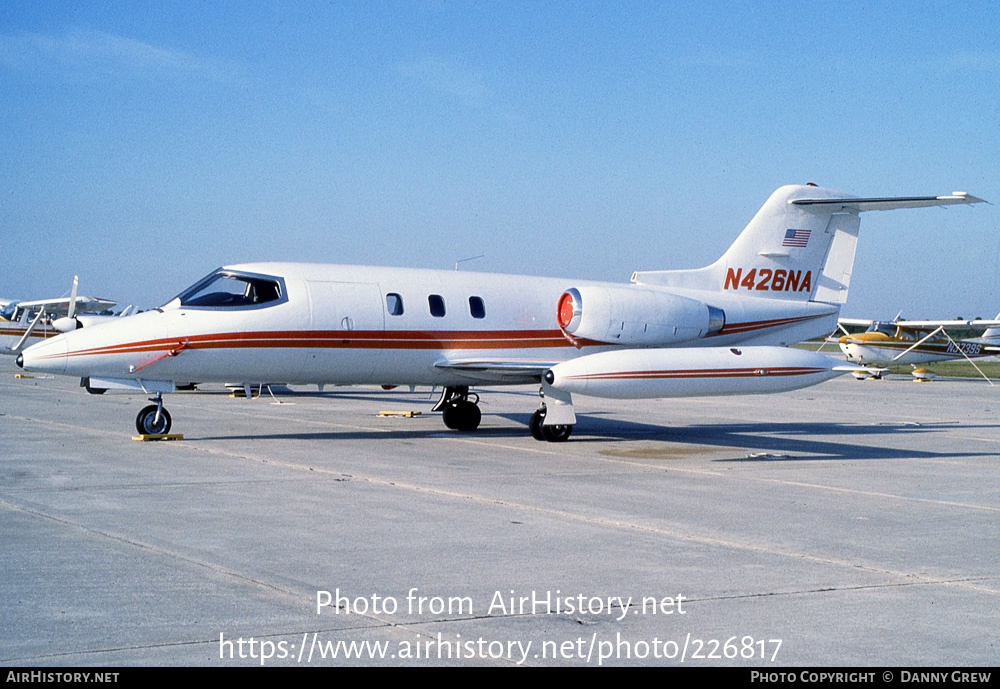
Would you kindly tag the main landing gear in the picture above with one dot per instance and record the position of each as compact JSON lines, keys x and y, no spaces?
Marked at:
{"x":460,"y":409}
{"x":154,"y":419}
{"x":460,"y":413}
{"x":553,"y":434}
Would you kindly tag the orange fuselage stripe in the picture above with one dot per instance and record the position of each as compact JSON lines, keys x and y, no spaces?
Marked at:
{"x":380,"y":339}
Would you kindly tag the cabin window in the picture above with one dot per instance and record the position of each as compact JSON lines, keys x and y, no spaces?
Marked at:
{"x":476,"y":307}
{"x":436,"y":303}
{"x":226,"y":289}
{"x":394,"y":304}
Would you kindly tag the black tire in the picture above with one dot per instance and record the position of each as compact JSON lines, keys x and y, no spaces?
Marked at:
{"x":557,"y":434}
{"x":535,"y":425}
{"x":462,"y":416}
{"x":145,"y":421}
{"x":450,"y":416}
{"x":471,"y":416}
{"x":85,"y":384}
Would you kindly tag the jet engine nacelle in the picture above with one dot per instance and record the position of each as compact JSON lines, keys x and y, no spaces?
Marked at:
{"x":692,"y":371}
{"x":635,"y":316}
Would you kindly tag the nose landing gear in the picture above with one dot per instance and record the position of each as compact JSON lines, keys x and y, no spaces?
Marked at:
{"x":153,"y":419}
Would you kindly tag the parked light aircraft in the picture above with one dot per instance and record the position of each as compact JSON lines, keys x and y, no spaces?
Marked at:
{"x":22,"y":322}
{"x":718,"y":330}
{"x":917,"y":342}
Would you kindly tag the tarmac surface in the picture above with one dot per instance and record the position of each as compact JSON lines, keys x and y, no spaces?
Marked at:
{"x":856,"y":523}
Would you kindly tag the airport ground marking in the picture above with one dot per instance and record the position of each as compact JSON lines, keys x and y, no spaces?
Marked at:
{"x":683,"y":536}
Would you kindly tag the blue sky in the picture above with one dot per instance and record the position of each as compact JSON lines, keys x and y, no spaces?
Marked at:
{"x":145,"y":145}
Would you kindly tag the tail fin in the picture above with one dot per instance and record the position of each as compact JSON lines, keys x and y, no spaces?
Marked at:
{"x":992,"y":333}
{"x":799,"y":246}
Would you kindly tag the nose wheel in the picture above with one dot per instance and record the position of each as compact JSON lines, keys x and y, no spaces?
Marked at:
{"x":153,"y":419}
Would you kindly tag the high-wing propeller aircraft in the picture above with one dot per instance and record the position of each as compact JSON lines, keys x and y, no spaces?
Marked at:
{"x":718,"y":330}
{"x":24,"y":321}
{"x":917,"y":342}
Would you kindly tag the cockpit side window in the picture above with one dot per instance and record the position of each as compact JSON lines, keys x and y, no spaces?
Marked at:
{"x":229,"y":290}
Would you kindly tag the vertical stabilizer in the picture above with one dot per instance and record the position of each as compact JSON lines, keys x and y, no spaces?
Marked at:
{"x":799,"y":246}
{"x":992,"y":334}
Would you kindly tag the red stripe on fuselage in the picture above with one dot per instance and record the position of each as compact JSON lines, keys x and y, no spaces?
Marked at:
{"x":731,"y":328}
{"x":326,"y":339}
{"x":19,"y":332}
{"x":381,"y":339}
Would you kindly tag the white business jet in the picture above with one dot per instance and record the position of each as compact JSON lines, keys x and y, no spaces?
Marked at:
{"x":718,"y":330}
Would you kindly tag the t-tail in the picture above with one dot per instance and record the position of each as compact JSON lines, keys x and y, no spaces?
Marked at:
{"x":799,"y":246}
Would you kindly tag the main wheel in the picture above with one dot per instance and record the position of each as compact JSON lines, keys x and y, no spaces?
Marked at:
{"x":557,"y":434}
{"x":146,"y":423}
{"x":535,"y":425}
{"x":553,"y":434}
{"x":462,"y":416}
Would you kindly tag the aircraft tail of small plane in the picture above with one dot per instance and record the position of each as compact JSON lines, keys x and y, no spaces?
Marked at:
{"x":992,"y":334}
{"x":799,"y":246}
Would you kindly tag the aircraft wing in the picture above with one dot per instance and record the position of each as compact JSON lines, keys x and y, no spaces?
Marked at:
{"x":973,"y":324}
{"x":61,"y":306}
{"x":969,"y":325}
{"x":498,"y":370}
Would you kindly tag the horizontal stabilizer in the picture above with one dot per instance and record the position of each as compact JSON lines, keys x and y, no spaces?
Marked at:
{"x":890,"y":203}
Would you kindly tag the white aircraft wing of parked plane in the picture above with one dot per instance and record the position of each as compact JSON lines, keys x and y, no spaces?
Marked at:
{"x":23,"y":322}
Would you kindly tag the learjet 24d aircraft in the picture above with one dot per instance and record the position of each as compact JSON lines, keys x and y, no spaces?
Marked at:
{"x":718,"y":330}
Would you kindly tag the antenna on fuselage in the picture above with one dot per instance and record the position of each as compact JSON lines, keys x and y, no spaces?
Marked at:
{"x":470,"y":258}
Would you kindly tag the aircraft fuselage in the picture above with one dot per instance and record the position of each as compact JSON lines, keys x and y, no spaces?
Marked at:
{"x":393,"y":326}
{"x":884,"y":351}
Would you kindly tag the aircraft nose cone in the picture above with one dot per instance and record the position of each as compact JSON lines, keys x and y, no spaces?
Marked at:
{"x":47,"y":356}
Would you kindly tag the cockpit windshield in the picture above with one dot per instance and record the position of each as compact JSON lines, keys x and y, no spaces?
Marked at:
{"x":884,"y":327}
{"x":226,"y":289}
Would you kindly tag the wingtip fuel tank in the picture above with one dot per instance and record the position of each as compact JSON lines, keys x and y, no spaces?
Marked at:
{"x":692,"y":371}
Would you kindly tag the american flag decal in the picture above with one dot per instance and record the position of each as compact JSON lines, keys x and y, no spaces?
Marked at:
{"x":796,"y":238}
